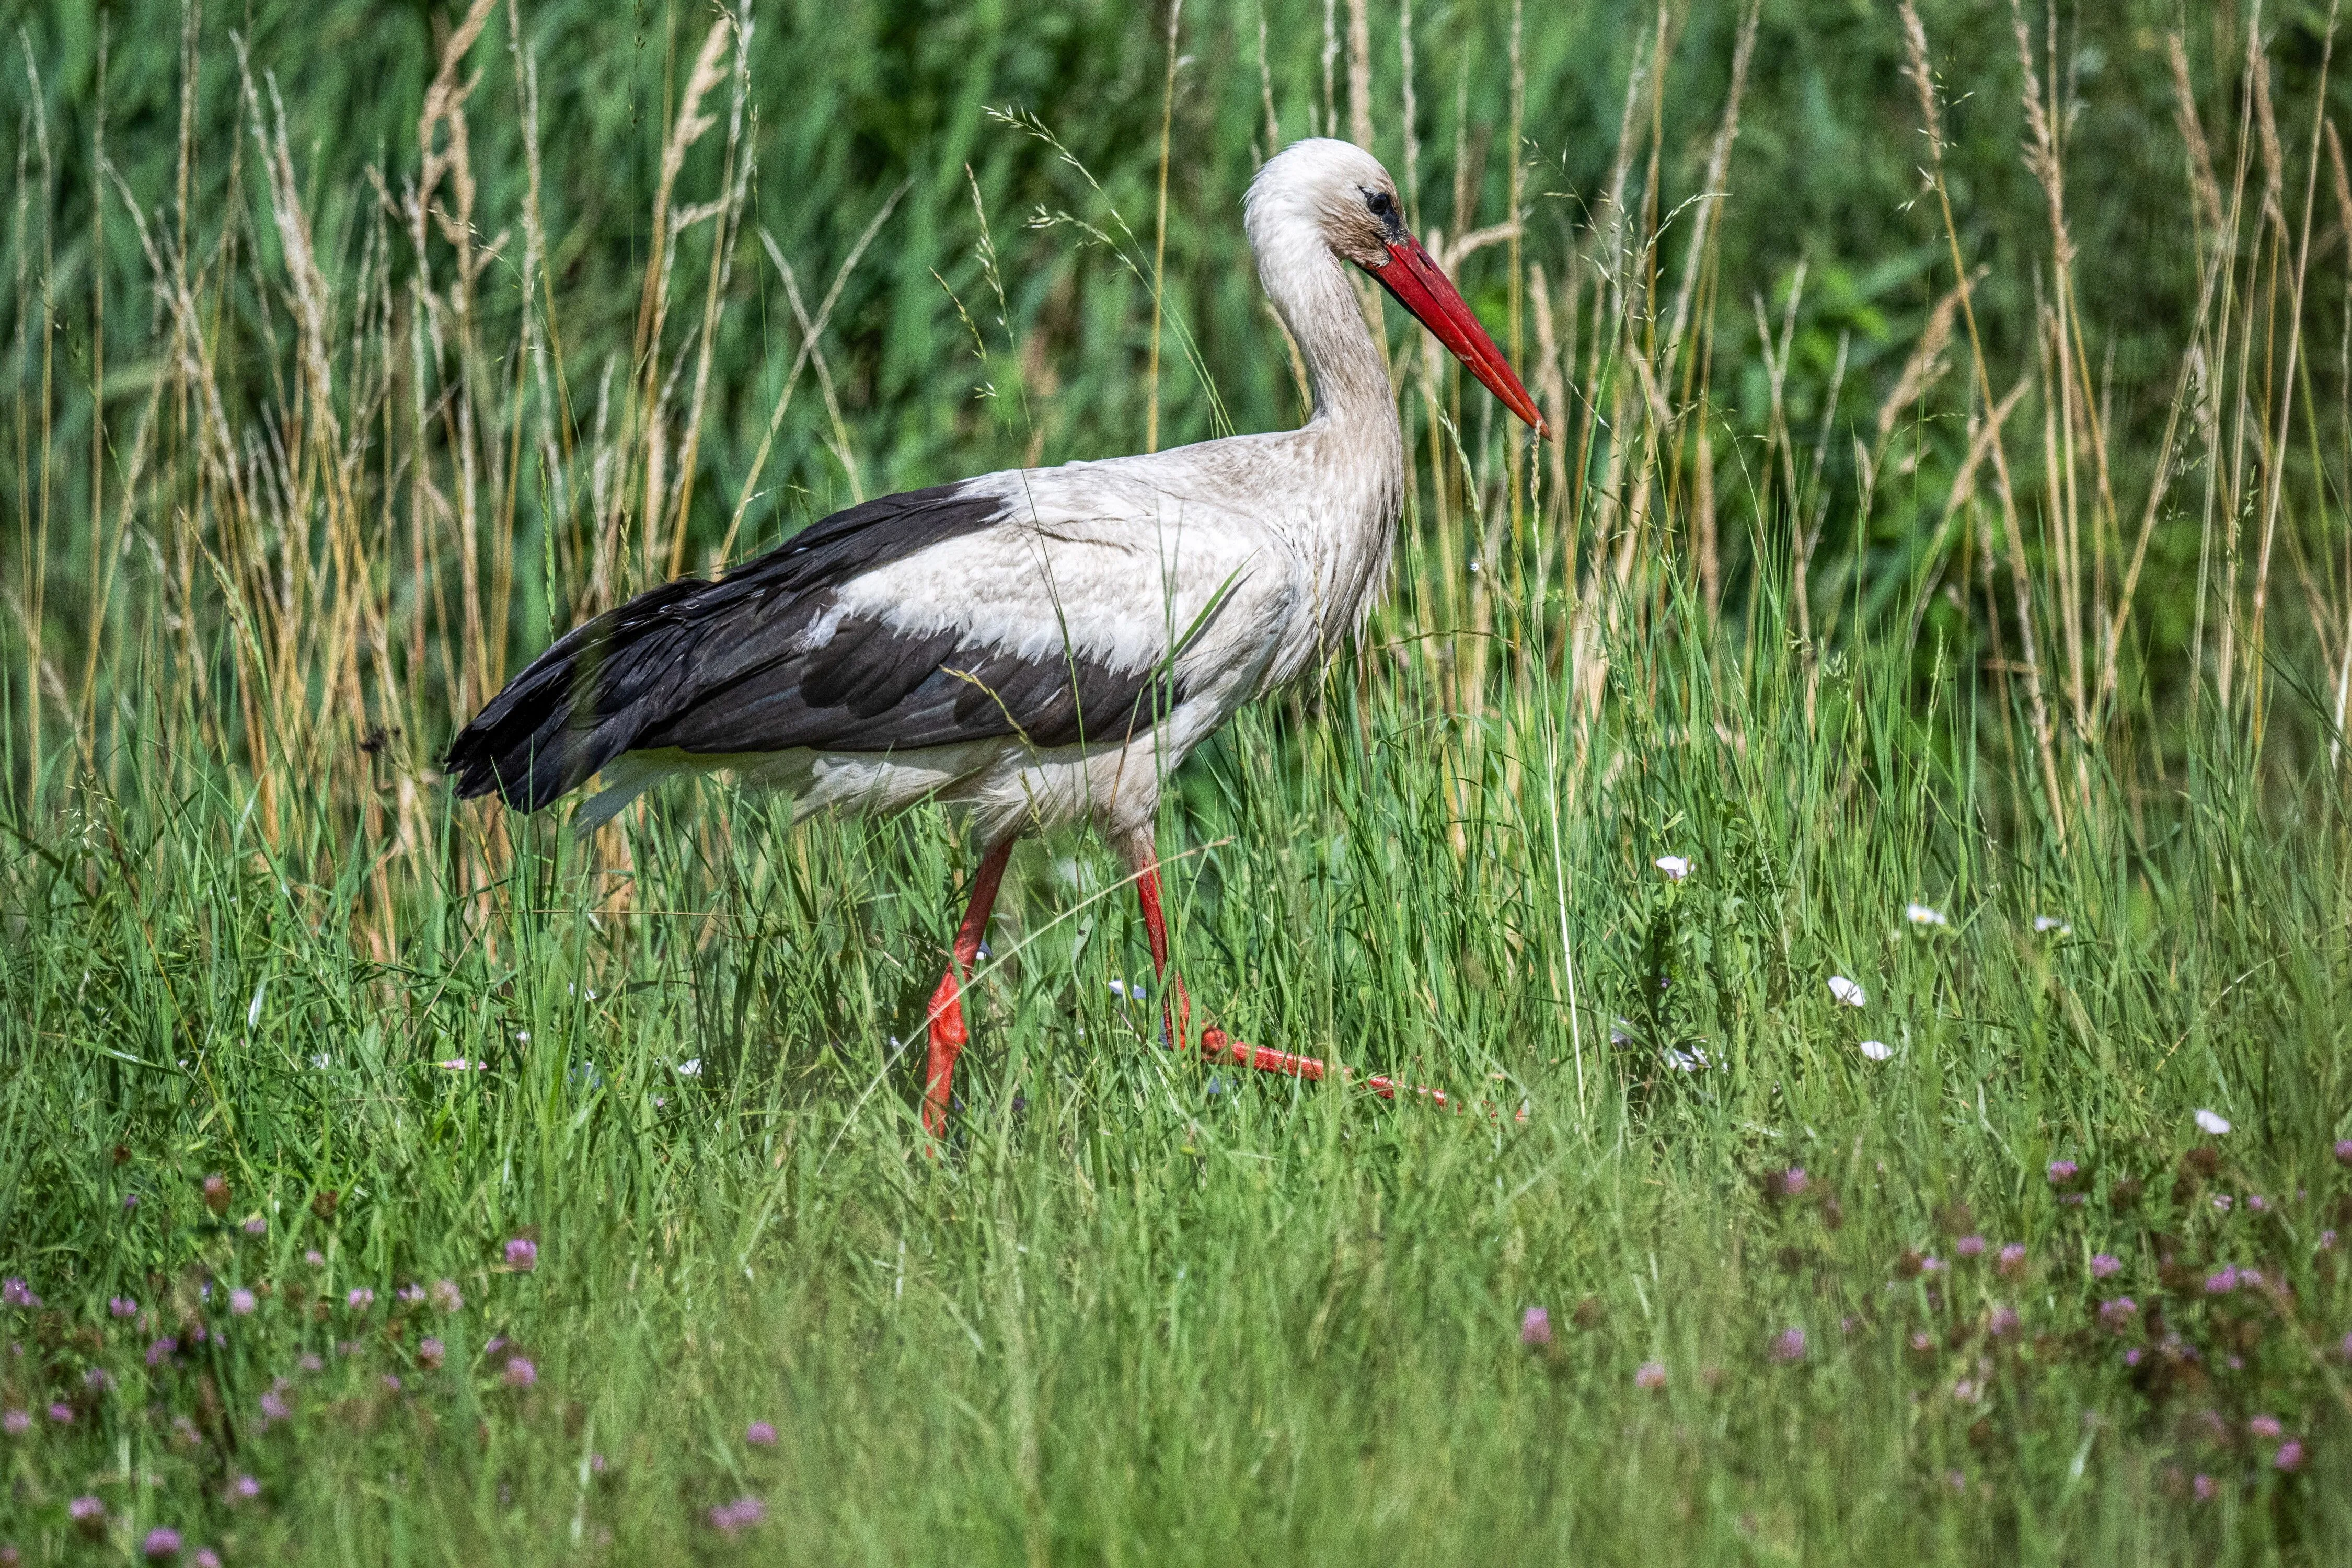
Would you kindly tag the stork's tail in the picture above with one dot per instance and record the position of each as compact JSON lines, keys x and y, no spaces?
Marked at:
{"x":580,"y":705}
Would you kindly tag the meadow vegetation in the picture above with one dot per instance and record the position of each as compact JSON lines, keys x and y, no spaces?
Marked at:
{"x":1859,"y":823}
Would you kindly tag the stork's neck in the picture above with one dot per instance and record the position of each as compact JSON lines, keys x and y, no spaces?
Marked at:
{"x":1309,"y":287}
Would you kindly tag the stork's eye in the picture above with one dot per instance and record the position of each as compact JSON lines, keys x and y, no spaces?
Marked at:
{"x":1382,"y":205}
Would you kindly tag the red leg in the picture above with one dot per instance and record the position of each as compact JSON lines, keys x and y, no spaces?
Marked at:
{"x":947,"y":1029}
{"x":1215,"y":1043}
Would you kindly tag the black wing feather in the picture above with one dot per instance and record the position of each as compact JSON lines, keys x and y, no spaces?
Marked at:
{"x":720,"y":668}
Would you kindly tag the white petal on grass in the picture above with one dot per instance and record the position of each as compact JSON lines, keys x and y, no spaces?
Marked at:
{"x":1923,"y":915}
{"x":253,"y":1014}
{"x":459,"y":1064}
{"x":1132,"y":992}
{"x":691,"y":1067}
{"x":2051,"y":922}
{"x":1676,"y":866}
{"x":2212,"y":1121}
{"x":1847,"y":991}
{"x":1877,"y":1050}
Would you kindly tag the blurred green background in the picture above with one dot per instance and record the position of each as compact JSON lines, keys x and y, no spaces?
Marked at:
{"x":854,"y":96}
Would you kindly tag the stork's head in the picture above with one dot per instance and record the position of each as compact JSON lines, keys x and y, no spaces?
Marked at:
{"x":1340,"y":194}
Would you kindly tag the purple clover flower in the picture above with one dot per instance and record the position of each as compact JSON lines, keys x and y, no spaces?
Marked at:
{"x":731,"y":1519}
{"x":13,"y":1292}
{"x":2010,"y":1260}
{"x":61,"y":1413}
{"x":1650,"y":1376}
{"x":121,"y":1307}
{"x":360,"y":1299}
{"x":520,"y":1372}
{"x":275,"y":1408}
{"x":162,"y":1544}
{"x":2222,"y":1283}
{"x":2061,"y":1171}
{"x":2005,"y":1321}
{"x":2264,"y":1427}
{"x":2116,"y":1315}
{"x":241,"y":1303}
{"x":760,"y":1435}
{"x":1788,"y":1345}
{"x":522,"y":1253}
{"x":1794,"y":1181}
{"x":2289,"y":1457}
{"x":16,"y":1422}
{"x":1534,"y":1328}
{"x":2105,"y":1265}
{"x":85,"y":1511}
{"x":256,"y":1226}
{"x":314,"y":1257}
{"x":2344,"y":1151}
{"x":2203,"y":1488}
{"x":245,"y":1489}
{"x":1971,"y":1246}
{"x":445,"y":1295}
{"x":429,"y":1352}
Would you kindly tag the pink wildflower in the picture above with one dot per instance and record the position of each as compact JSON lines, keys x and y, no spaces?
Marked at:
{"x":1650,"y":1375}
{"x":732,"y":1519}
{"x":1534,"y":1328}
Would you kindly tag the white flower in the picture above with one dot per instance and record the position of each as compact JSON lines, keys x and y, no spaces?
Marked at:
{"x":692,"y":1068}
{"x":1676,"y":866}
{"x":319,"y":1061}
{"x":1131,"y":991}
{"x":2051,"y":922}
{"x":1691,"y":1060}
{"x":459,"y":1064}
{"x":1921,"y":915}
{"x":1847,"y":991}
{"x":1877,"y":1050}
{"x":2212,"y":1123}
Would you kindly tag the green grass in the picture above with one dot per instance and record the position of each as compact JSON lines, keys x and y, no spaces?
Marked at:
{"x":1146,"y":1312}
{"x":269,"y":541}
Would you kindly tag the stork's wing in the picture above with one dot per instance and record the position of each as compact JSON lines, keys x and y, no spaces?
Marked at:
{"x":965,"y":611}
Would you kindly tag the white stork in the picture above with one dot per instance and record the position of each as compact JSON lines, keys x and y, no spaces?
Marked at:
{"x":1036,"y":647}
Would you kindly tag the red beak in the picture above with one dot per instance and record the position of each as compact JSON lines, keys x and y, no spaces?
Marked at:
{"x":1413,"y":276}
